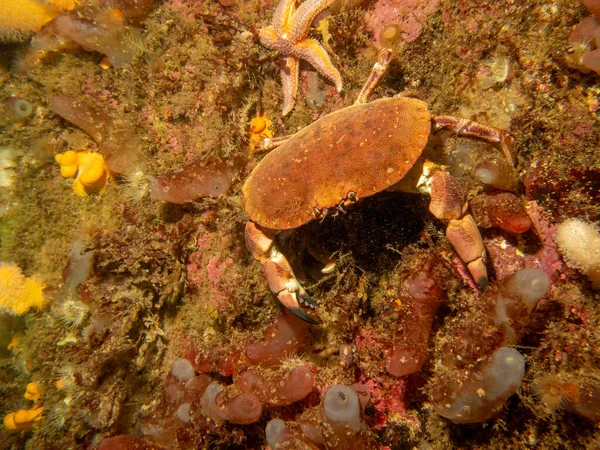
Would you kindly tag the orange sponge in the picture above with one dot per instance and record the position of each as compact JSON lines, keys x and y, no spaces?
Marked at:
{"x":24,"y":419}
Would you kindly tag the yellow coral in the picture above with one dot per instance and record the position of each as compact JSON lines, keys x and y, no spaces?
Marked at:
{"x":24,"y":419}
{"x":260,"y":128}
{"x":88,"y":169}
{"x":18,"y":294}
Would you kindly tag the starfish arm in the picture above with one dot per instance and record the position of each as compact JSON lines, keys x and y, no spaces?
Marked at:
{"x":268,"y":37}
{"x":300,"y":22}
{"x":311,"y":51}
{"x":283,"y":14}
{"x":289,"y":82}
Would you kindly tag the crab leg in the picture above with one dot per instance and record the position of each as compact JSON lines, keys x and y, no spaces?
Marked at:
{"x":466,"y":127}
{"x":448,"y":203}
{"x":379,"y":69}
{"x":279,"y":273}
{"x":377,"y":72}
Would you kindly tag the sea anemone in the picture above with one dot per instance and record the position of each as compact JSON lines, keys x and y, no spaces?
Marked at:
{"x":71,"y":313}
{"x":579,"y":244}
{"x":135,"y":185}
{"x":555,"y":392}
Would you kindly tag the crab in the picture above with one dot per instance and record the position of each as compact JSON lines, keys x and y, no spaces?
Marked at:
{"x":348,"y":155}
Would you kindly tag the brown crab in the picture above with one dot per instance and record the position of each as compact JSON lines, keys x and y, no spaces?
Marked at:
{"x":347,"y":155}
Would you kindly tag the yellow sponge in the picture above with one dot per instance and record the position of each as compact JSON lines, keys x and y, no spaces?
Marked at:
{"x":88,"y":169}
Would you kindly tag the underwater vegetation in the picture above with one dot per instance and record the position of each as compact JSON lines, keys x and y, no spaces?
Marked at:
{"x":212,"y":233}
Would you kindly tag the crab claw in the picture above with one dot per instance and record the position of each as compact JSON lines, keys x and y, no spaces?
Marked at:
{"x":289,"y":300}
{"x":464,"y":236}
{"x":448,"y":203}
{"x":279,"y":273}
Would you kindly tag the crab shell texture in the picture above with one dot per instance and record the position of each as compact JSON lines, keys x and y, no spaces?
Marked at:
{"x":363,"y":148}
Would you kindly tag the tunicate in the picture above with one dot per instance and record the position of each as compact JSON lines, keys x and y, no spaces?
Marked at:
{"x":341,"y":406}
{"x":487,"y":389}
{"x":529,"y":285}
{"x":207,"y":403}
{"x":183,"y":370}
{"x":16,"y":109}
{"x":275,"y":432}
{"x":183,"y":412}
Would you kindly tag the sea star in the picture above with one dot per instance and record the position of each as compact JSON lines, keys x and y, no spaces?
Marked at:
{"x":288,"y":35}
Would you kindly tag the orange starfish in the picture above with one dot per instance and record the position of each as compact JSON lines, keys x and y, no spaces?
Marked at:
{"x":288,"y":35}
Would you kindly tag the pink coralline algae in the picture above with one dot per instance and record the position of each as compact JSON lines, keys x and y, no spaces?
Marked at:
{"x":408,"y":15}
{"x":216,"y":267}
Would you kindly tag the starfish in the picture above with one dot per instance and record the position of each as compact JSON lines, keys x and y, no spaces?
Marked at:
{"x":288,"y":35}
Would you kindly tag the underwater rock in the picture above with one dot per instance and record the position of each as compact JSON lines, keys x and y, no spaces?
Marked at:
{"x":194,"y":180}
{"x":124,"y":442}
{"x":409,"y":17}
